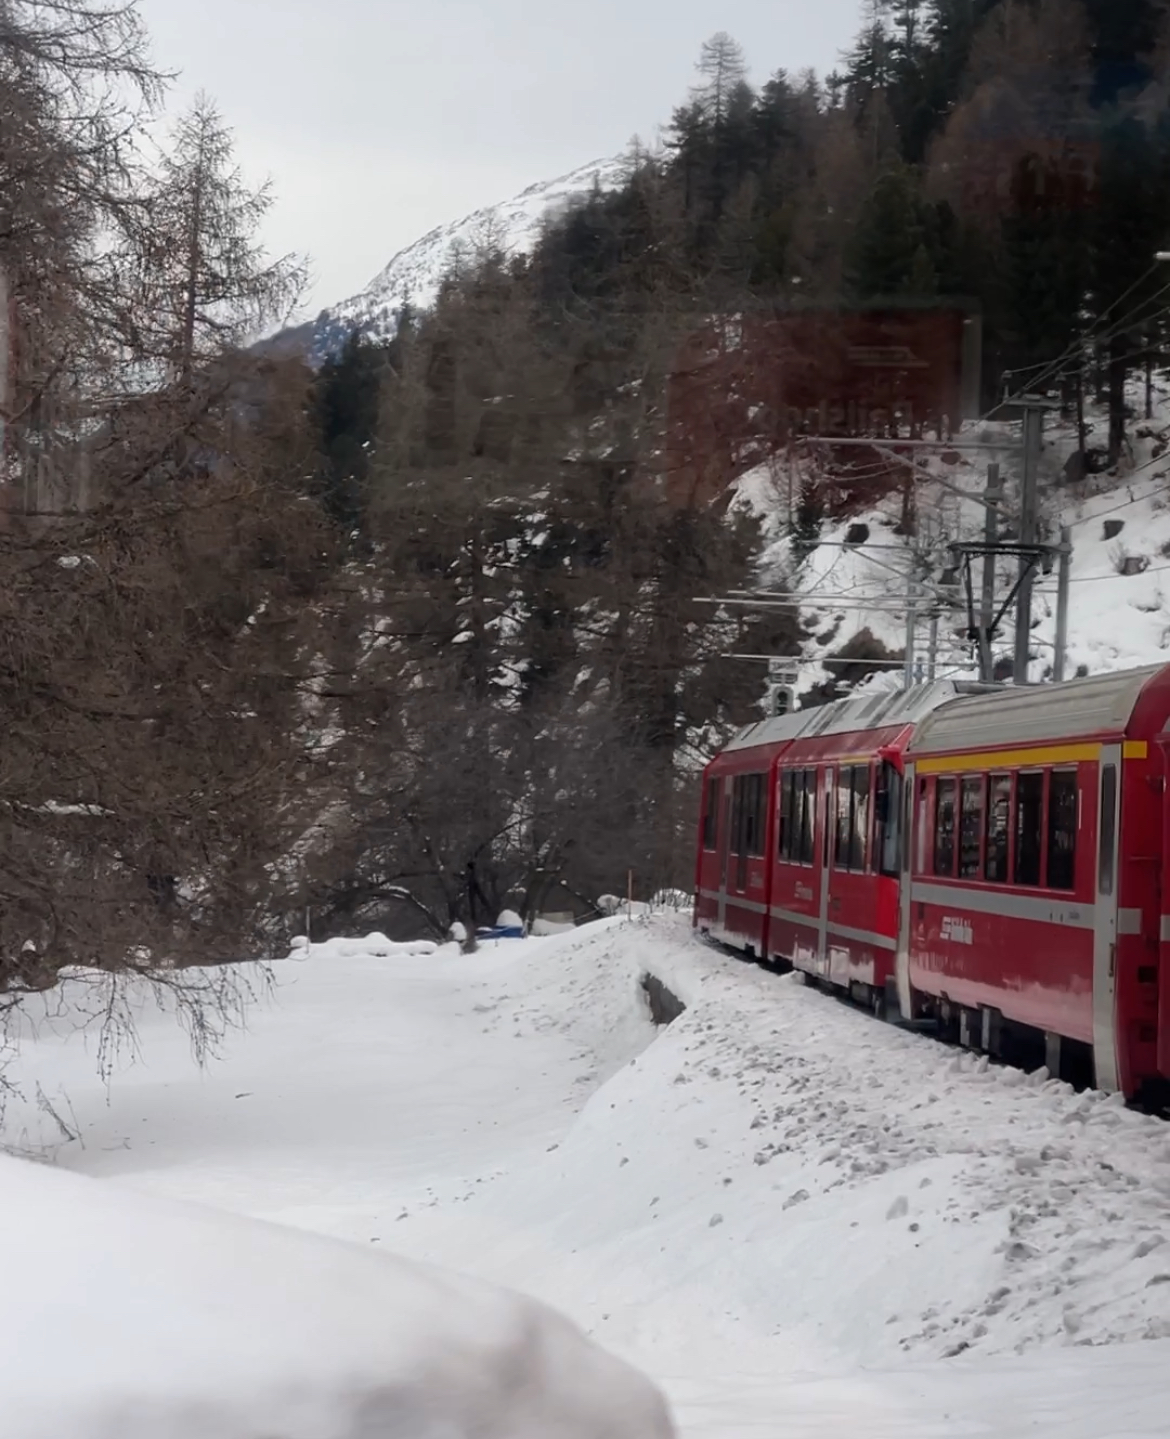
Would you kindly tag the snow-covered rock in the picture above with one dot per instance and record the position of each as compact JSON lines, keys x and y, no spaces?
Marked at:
{"x":131,"y":1316}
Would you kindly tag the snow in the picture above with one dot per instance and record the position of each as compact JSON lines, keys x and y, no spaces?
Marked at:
{"x":793,"y":1218}
{"x":414,"y":274}
{"x":1117,"y":621}
{"x":130,"y":1316}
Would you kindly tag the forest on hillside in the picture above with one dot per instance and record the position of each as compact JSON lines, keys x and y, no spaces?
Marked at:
{"x":426,"y":633}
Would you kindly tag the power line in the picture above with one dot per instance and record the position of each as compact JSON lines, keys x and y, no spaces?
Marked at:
{"x":1125,"y":504}
{"x":1074,"y":349}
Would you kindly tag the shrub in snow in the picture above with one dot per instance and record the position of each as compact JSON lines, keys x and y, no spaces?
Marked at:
{"x":509,"y":919}
{"x":457,"y":933}
{"x":126,"y":1315}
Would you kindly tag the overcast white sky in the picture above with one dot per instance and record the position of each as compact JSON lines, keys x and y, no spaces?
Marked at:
{"x":378,"y":119}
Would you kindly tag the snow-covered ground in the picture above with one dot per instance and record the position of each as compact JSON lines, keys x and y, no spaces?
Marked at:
{"x":125,"y":1315}
{"x":1117,"y":619}
{"x":798,"y":1221}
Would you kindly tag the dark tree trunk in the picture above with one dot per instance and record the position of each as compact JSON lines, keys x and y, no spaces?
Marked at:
{"x":1118,"y":369}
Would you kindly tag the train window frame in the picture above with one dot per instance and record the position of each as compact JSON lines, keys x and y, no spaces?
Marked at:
{"x":994,"y":780}
{"x":713,"y":800}
{"x":968,"y":867}
{"x":951,"y":784}
{"x":1020,"y":852}
{"x":1068,"y":882}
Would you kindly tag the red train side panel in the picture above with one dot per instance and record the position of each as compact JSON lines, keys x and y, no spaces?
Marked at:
{"x":1033,"y":891}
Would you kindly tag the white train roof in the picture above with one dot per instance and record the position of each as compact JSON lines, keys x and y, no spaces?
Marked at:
{"x":873,"y":711}
{"x":1080,"y":708}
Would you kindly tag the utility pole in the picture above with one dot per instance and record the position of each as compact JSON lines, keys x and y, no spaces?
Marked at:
{"x":994,"y":499}
{"x":1029,"y":525}
{"x":1062,"y":588}
{"x":932,"y":652}
{"x":911,"y":624}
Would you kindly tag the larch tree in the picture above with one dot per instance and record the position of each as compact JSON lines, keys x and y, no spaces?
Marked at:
{"x":208,"y":282}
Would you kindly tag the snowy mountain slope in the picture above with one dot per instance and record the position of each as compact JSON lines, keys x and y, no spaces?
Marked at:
{"x":1118,"y":619}
{"x":788,"y":1214}
{"x":414,"y":274}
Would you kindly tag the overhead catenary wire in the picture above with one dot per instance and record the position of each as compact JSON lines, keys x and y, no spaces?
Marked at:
{"x":1076,"y":348}
{"x":1098,"y":333}
{"x":1126,"y":504}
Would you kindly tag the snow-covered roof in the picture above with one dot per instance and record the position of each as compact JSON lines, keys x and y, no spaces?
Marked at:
{"x":1102,"y":704}
{"x":870,"y":711}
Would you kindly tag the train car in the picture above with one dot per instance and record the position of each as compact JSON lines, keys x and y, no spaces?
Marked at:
{"x":800,"y":833}
{"x":732,"y":872}
{"x":1034,"y":889}
{"x":997,"y":863}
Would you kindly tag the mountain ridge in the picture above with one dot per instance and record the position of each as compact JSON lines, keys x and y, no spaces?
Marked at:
{"x":414,"y":274}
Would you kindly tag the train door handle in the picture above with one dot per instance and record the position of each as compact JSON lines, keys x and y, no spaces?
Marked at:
{"x":1112,"y":959}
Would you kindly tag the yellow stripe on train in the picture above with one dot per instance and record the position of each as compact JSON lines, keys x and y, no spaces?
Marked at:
{"x":1021,"y":758}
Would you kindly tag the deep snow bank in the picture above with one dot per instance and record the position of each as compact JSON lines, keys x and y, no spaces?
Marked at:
{"x":783,"y":1165}
{"x":124,"y":1315}
{"x":788,"y":1214}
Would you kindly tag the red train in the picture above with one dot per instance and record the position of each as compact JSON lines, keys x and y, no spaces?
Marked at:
{"x":995,"y":862}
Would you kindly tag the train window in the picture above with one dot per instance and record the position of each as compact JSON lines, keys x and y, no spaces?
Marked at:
{"x":1062,"y":829}
{"x":971,"y":827}
{"x":859,"y":828}
{"x":843,"y":818}
{"x":999,"y":811}
{"x":1029,"y":827}
{"x":852,"y":817}
{"x":944,"y":827}
{"x":808,"y":799}
{"x":711,"y":814}
{"x":888,"y":826}
{"x":750,"y":790}
{"x":1108,"y":828}
{"x":786,"y":827}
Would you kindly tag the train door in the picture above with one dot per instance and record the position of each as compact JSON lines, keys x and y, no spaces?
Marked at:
{"x":1105,"y":920}
{"x":824,"y":860}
